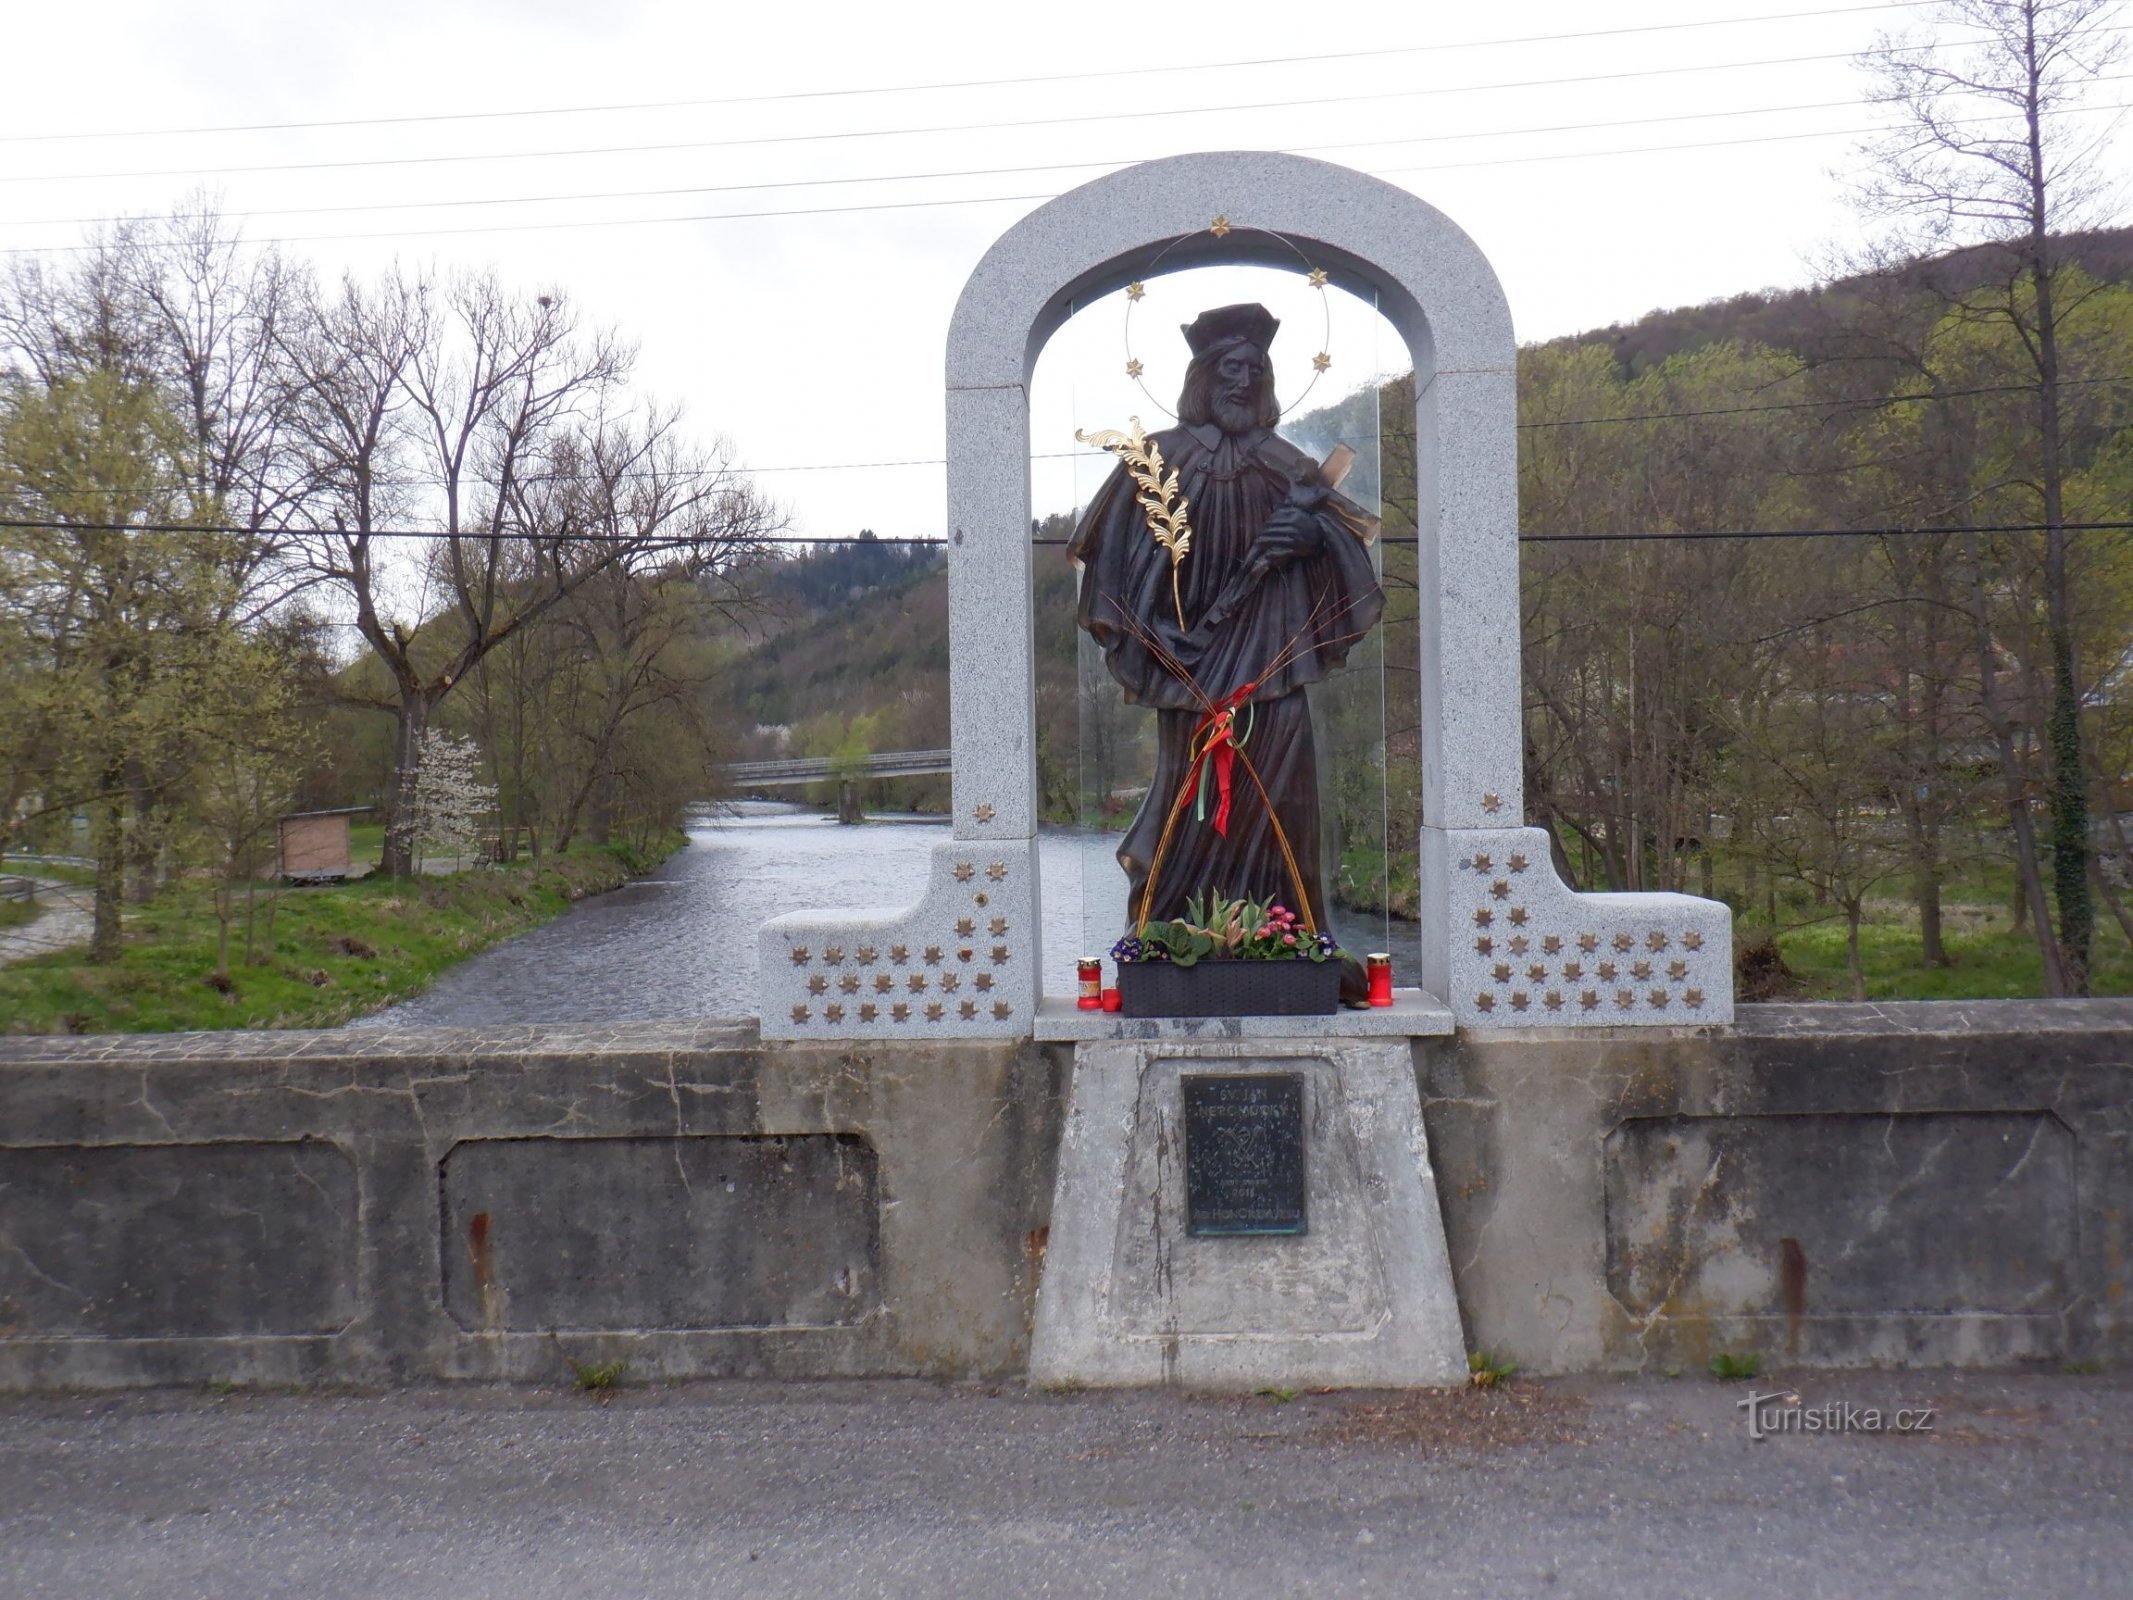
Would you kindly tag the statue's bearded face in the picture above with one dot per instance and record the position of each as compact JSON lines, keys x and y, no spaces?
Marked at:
{"x":1233,"y":388}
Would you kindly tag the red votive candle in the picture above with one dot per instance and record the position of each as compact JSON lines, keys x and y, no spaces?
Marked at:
{"x":1091,"y":997}
{"x":1380,"y":965}
{"x":1111,"y":1001}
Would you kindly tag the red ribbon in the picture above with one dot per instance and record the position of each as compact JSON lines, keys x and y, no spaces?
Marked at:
{"x":1218,"y":727}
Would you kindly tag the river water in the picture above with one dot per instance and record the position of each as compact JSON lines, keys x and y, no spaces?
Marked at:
{"x":680,"y":943}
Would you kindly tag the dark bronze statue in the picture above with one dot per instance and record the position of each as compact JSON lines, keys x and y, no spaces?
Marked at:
{"x":1274,"y":587}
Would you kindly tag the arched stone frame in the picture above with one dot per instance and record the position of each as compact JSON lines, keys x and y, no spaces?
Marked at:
{"x":1505,"y":943}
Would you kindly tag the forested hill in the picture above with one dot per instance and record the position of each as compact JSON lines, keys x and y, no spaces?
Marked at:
{"x":1801,"y":319}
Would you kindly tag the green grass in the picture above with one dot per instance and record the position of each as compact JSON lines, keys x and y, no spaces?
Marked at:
{"x":334,"y":952}
{"x":16,"y":913}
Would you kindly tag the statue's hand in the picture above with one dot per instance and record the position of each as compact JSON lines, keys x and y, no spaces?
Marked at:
{"x":1290,"y":534}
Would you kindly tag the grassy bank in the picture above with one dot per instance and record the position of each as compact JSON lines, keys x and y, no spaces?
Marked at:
{"x":321,"y":955}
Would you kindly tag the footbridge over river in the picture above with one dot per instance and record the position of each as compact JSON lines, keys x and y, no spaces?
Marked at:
{"x":846,"y":772}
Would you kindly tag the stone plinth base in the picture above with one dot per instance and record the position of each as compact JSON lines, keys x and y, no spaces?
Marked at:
{"x":1364,"y":1298}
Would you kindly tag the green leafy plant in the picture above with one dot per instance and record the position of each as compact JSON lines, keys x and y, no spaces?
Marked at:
{"x":1485,"y":1369}
{"x":1736,"y":1364}
{"x":1280,"y":1397}
{"x":594,"y":1376}
{"x":1215,"y":927}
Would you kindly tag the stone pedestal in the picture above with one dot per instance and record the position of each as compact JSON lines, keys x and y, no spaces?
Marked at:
{"x":1362,"y":1298}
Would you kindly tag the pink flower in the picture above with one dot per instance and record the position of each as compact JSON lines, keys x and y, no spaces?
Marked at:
{"x":1288,"y":938}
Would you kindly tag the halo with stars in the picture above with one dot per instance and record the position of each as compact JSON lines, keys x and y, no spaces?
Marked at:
{"x":1222,"y":227}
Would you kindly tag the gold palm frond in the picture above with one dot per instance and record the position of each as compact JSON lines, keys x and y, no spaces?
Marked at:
{"x":1162,"y":507}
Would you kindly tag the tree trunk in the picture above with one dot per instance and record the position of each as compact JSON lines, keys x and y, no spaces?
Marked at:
{"x":106,"y":937}
{"x":411,"y":722}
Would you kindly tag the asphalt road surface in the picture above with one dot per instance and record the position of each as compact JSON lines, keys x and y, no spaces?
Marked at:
{"x":1649,"y":1487}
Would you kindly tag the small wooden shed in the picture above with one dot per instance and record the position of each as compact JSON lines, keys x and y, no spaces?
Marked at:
{"x":314,"y":844}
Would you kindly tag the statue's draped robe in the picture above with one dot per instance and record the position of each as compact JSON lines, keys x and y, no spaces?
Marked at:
{"x":1238,"y":625}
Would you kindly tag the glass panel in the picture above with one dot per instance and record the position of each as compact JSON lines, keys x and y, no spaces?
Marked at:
{"x":1096,"y":753}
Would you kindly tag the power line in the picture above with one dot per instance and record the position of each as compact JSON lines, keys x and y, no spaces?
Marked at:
{"x":1166,"y":71}
{"x":1004,"y":199}
{"x":1076,"y":119}
{"x":810,"y":539}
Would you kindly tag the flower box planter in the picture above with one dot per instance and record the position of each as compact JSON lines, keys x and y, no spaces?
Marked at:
{"x":1216,"y":988}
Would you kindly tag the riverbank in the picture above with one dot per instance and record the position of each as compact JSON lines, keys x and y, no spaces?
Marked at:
{"x":320,"y":955}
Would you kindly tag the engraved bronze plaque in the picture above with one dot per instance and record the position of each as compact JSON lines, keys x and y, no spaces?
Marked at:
{"x":1244,"y":1153}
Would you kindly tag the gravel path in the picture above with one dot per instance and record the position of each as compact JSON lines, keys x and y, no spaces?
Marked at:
{"x":66,"y":919}
{"x":1643,"y":1487}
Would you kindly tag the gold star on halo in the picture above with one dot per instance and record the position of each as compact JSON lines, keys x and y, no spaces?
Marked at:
{"x":1318,"y":277}
{"x":1133,"y":367}
{"x":1136,"y":289}
{"x":1219,"y":227}
{"x":1321,"y":361}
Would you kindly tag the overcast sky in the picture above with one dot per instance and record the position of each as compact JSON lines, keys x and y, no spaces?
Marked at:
{"x":780,"y":202}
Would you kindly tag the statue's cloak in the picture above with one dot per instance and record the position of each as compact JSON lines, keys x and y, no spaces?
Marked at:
{"x":1276,"y":630}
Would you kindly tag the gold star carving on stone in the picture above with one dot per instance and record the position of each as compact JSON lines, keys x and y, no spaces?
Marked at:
{"x":899,"y":953}
{"x":964,"y":872}
{"x":950,"y":982}
{"x":997,"y":926}
{"x":1655,"y":941}
{"x":1219,"y":227}
{"x":982,"y":981}
{"x":833,"y":1012}
{"x":996,"y":871}
{"x":1606,"y":970}
{"x":1553,"y":1001}
{"x":1658,"y":998}
{"x":1517,"y":863}
{"x":899,"y":1012}
{"x":1501,"y":972}
{"x":999,"y":954}
{"x":1692,"y":941}
{"x":1486,"y":1002}
{"x":933,"y":955}
{"x":1492,"y":803}
{"x":917,"y":983}
{"x":1318,"y":277}
{"x":1136,"y":289}
{"x":1625,"y":998}
{"x":1588,"y":942}
{"x":799,"y":1013}
{"x":1537,"y":972}
{"x":1483,"y":946}
{"x":1677,"y":970}
{"x":1321,"y":361}
{"x":1692,"y":997}
{"x":985,"y":812}
{"x":864,"y":955}
{"x":1001,"y":1010}
{"x":832,"y":954}
{"x":1483,"y":863}
{"x":869,"y":1011}
{"x":883,"y":983}
{"x":1133,"y":367}
{"x":1552,"y":945}
{"x":1500,"y":890}
{"x":965,"y":927}
{"x":964,"y":953}
{"x":817,"y":984}
{"x":799,"y":955}
{"x":1623,"y":941}
{"x":1518,"y":916}
{"x":849,"y":983}
{"x":1518,"y":944}
{"x":1518,"y":1001}
{"x":1588,"y":999}
{"x":1484,"y":917}
{"x":933,"y":1011}
{"x":967,"y":1010}
{"x":1640,"y":970}
{"x":1572,"y":971}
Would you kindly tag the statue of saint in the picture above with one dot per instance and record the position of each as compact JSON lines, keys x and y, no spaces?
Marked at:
{"x":1273,"y":587}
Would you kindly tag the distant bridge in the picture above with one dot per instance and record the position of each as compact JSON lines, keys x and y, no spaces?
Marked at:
{"x":846,"y":773}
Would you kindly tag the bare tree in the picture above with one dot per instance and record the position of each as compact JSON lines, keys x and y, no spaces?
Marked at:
{"x":1991,"y":147}
{"x":475,"y":410}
